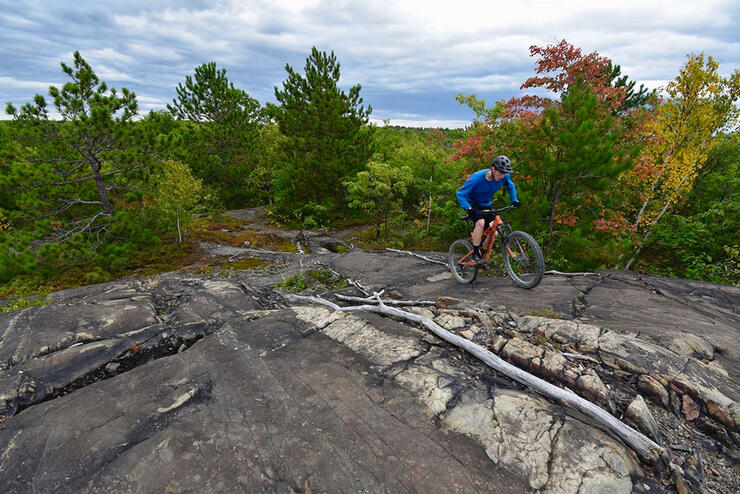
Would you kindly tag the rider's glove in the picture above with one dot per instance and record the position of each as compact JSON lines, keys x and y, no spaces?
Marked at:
{"x":516,"y":204}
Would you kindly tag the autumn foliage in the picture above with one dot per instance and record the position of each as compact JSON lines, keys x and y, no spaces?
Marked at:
{"x":608,"y":174}
{"x":599,"y":160}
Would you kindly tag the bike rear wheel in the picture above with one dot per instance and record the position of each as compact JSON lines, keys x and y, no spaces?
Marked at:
{"x":461,"y":253}
{"x":523,"y":259}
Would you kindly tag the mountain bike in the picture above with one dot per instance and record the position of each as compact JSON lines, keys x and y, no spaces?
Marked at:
{"x":522,"y":256}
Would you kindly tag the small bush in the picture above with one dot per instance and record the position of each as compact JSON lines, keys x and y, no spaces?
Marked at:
{"x":319,"y":279}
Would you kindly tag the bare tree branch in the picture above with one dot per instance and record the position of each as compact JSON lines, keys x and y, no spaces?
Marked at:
{"x":436,"y":261}
{"x":552,"y":271}
{"x":386,"y":302}
{"x":69,"y":204}
{"x":645,"y":447}
{"x":83,"y":179}
{"x":79,"y":228}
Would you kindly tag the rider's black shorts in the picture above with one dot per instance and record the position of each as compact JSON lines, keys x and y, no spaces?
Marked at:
{"x":476,"y":214}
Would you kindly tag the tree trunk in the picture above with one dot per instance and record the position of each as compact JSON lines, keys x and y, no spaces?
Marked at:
{"x":644,"y":205}
{"x":179,"y":232}
{"x":552,"y":210}
{"x":102,"y":193}
{"x":655,"y":222}
{"x":429,"y":212}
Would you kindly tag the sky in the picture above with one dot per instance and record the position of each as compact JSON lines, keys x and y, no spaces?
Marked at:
{"x":410,"y":57}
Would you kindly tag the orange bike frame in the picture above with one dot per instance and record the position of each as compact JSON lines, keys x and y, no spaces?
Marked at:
{"x":489,"y":235}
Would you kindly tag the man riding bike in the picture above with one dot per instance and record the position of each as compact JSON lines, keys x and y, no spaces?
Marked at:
{"x":477,"y":192}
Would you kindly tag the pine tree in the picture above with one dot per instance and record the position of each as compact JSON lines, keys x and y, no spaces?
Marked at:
{"x":68,"y":168}
{"x":221,"y":143}
{"x":577,"y":150}
{"x":327,"y":138}
{"x":633,"y":98}
{"x":379,"y":192}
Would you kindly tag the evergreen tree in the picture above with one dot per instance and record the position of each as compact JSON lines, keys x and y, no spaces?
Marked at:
{"x":68,"y":168}
{"x":633,"y":98}
{"x":327,"y":138}
{"x":576,"y":151}
{"x":221,"y":144}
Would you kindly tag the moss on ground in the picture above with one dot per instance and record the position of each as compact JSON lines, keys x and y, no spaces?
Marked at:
{"x":318,"y":279}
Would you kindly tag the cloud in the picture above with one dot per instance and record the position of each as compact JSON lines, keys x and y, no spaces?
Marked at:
{"x":406,"y":55}
{"x":109,"y":74}
{"x":10,"y":82}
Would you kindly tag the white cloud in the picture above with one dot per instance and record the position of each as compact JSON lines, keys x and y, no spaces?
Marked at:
{"x":402,"y":50}
{"x":10,"y":82}
{"x":108,"y":55}
{"x":109,"y":74}
{"x":147,"y":103}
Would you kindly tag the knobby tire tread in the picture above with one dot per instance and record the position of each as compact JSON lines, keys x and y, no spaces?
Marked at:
{"x":453,"y":257}
{"x":540,"y":260}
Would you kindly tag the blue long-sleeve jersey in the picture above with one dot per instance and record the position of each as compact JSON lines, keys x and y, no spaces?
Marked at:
{"x":479,"y":190}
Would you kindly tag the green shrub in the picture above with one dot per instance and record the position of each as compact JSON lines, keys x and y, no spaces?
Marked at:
{"x":319,"y":279}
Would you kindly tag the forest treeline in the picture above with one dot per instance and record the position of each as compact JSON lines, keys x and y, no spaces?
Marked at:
{"x":609,"y":175}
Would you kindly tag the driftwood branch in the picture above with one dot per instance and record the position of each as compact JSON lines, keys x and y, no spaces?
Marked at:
{"x":372,"y":300}
{"x":436,"y":261}
{"x":354,"y":283}
{"x":641,"y":444}
{"x":552,"y":271}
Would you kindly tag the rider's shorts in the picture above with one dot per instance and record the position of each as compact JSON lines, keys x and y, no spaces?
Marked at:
{"x":476,"y":214}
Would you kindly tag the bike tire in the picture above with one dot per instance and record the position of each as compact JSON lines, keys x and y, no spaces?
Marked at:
{"x":463,"y":273}
{"x":528,"y":267}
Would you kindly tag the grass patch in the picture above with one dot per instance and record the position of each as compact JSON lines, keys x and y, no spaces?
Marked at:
{"x":32,"y":290}
{"x":218,"y":222}
{"x":229,"y":231}
{"x":544,"y":312}
{"x":409,"y":236}
{"x":318,"y":279}
{"x":22,"y":293}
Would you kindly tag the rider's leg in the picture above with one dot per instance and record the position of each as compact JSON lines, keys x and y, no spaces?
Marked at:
{"x":477,"y":234}
{"x":478,"y":231}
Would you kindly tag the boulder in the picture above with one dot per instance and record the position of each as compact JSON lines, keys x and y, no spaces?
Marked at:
{"x":640,"y":415}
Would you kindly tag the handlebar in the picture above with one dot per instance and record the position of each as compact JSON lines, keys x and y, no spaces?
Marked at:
{"x":493,"y":211}
{"x":497,"y":211}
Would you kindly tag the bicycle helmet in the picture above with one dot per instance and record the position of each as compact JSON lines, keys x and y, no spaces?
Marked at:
{"x":502,"y":163}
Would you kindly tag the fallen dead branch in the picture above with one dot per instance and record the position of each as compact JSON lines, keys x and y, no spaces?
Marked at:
{"x":552,"y":271}
{"x":436,"y":261}
{"x":646,"y":448}
{"x":352,"y":282}
{"x":371,"y":300}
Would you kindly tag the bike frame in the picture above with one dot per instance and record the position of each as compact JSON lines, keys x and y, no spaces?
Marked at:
{"x":489,"y":235}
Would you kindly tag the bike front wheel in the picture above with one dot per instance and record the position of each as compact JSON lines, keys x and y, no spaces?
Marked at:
{"x":523,"y":259}
{"x":461,"y":263}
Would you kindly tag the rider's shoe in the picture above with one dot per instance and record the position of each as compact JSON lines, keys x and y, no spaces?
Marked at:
{"x":478,"y":258}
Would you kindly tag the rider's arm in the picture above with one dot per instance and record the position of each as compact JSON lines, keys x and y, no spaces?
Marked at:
{"x":510,"y":188}
{"x":464,"y":193}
